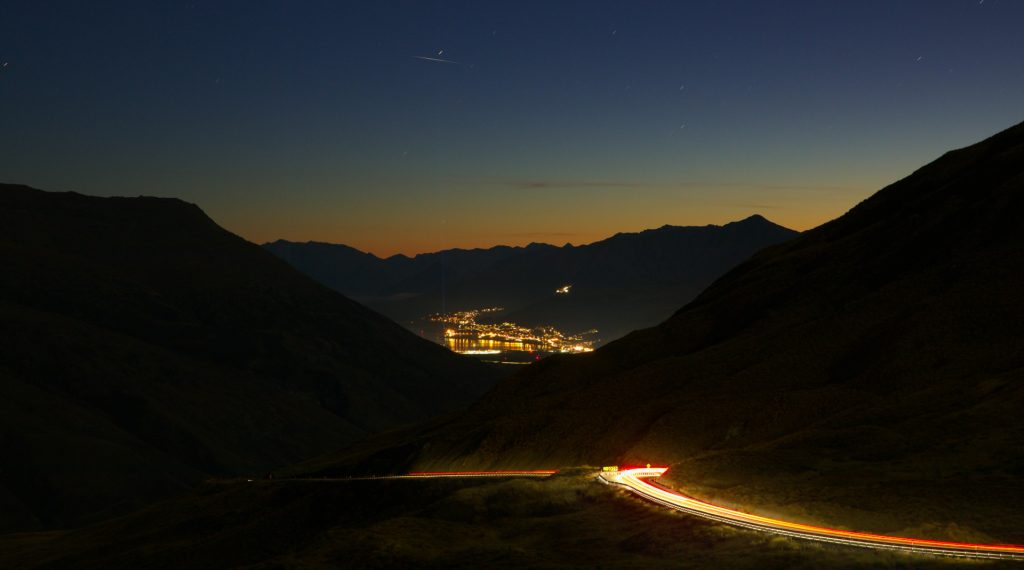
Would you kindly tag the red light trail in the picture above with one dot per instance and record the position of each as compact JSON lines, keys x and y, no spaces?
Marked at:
{"x":520,"y":473}
{"x":635,"y":481}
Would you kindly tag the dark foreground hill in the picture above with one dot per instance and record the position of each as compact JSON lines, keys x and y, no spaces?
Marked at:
{"x":620,"y":284}
{"x":566,"y":521}
{"x":144,"y":347}
{"x":869,"y":373}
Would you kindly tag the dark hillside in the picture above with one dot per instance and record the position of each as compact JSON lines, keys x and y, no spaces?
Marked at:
{"x":566,"y":521}
{"x":869,"y":373}
{"x":144,"y":347}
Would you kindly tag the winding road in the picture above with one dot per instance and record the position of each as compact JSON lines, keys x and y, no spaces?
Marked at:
{"x":638,"y":481}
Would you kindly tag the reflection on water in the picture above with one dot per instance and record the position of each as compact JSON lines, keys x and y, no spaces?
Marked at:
{"x":505,"y":342}
{"x":492,"y":346}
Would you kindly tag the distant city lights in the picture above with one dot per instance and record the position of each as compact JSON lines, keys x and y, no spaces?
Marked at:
{"x":465,"y":335}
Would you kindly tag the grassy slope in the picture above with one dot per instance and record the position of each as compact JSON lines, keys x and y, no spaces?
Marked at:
{"x":567,"y":521}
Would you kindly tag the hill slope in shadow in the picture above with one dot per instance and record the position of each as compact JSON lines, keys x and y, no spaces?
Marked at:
{"x":146,"y":348}
{"x":867,"y":374}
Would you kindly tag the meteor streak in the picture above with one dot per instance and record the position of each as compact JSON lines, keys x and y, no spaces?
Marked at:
{"x":437,"y":59}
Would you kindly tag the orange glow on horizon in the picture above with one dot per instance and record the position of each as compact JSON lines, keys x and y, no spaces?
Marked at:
{"x":393,"y":235}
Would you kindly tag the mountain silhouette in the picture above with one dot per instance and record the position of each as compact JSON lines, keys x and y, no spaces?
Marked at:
{"x":620,"y":284}
{"x":146,"y":348}
{"x":869,"y":372}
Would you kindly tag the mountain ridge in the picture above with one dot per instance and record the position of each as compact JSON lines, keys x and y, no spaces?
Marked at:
{"x":623,"y":282}
{"x":532,"y":245}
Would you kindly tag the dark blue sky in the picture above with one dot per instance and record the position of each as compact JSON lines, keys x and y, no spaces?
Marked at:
{"x":558,"y":121}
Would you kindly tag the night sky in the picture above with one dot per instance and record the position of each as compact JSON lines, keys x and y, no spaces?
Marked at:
{"x":533,"y":121}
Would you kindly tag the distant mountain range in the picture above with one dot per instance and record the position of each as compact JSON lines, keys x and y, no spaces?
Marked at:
{"x":868,"y":373}
{"x":625,"y":282}
{"x":145,"y":348}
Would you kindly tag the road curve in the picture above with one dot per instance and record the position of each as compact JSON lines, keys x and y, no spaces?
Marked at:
{"x":636,"y":481}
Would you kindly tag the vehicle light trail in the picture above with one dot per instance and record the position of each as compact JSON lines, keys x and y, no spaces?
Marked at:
{"x":635,"y":481}
{"x":435,"y":474}
{"x":535,"y":473}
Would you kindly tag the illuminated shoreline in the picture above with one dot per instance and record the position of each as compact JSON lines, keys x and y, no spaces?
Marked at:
{"x":464,"y":334}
